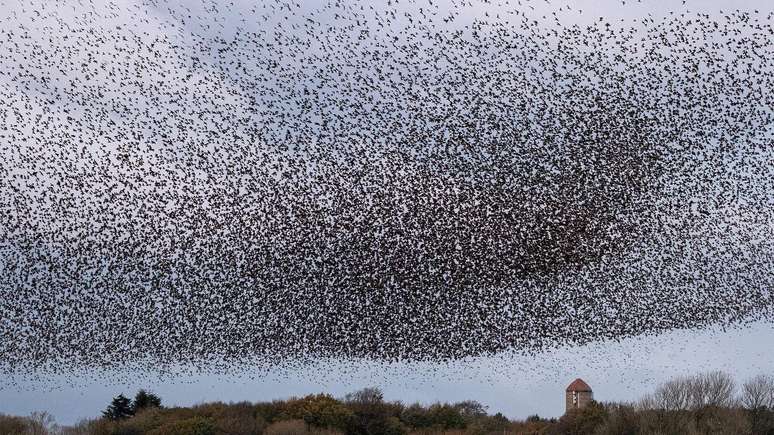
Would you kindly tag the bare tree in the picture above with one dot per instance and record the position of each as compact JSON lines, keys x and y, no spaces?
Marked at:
{"x":369,"y":395}
{"x":692,"y":392}
{"x":673,"y":395}
{"x":40,"y":423}
{"x":81,"y":428}
{"x":758,"y":392}
{"x":646,"y":403}
{"x":720,"y":389}
{"x":711,"y":389}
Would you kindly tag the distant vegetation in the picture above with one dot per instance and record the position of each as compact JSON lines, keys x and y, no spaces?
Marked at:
{"x":704,"y":404}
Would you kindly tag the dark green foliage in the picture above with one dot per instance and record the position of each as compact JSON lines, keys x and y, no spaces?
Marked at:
{"x":120,"y":408}
{"x":144,"y":399}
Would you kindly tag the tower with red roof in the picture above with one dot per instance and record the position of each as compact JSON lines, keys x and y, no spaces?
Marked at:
{"x":578,"y":395}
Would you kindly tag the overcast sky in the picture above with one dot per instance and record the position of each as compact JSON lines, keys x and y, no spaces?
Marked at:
{"x":518,"y":386}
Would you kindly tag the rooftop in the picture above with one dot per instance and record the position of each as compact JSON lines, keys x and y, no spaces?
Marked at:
{"x":578,"y":385}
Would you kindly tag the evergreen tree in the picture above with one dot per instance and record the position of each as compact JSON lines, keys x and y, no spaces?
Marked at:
{"x":144,"y":399}
{"x":119,"y":409}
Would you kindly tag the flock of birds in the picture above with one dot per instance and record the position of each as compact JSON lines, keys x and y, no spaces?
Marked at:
{"x":216,"y":185}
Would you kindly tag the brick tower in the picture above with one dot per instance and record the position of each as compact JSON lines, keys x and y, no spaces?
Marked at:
{"x":578,"y":395}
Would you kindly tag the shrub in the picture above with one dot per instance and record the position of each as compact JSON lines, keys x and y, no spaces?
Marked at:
{"x":373,"y":416}
{"x":416,"y":416}
{"x":143,"y":422}
{"x":12,"y":425}
{"x":190,"y":426}
{"x":236,"y":418}
{"x":582,"y":421}
{"x":483,"y":425}
{"x":270,"y":411}
{"x":287,"y":427}
{"x":446,"y":416}
{"x":621,"y":420}
{"x":324,"y":411}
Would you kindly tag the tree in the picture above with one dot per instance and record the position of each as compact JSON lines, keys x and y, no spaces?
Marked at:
{"x":583,"y":421}
{"x":416,"y":416}
{"x":322,"y":410}
{"x":673,"y":395}
{"x":471,"y":409}
{"x":269,"y":411}
{"x":143,"y":400}
{"x":758,"y":398}
{"x":693,"y":392}
{"x":711,"y":389}
{"x":485,"y":425}
{"x":758,"y":392}
{"x":366,"y":396}
{"x":40,"y":423}
{"x":120,"y":408}
{"x":446,"y":416}
{"x":532,"y":418}
{"x":621,"y":419}
{"x":372,"y":416}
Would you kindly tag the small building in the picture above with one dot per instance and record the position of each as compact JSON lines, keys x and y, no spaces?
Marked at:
{"x":578,"y":395}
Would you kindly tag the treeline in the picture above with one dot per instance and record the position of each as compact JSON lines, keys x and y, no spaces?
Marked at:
{"x":706,"y":404}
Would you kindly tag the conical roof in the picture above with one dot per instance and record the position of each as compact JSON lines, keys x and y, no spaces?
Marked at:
{"x":579,"y":385}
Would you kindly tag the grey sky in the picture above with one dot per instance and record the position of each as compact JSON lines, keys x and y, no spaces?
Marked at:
{"x":516,"y":386}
